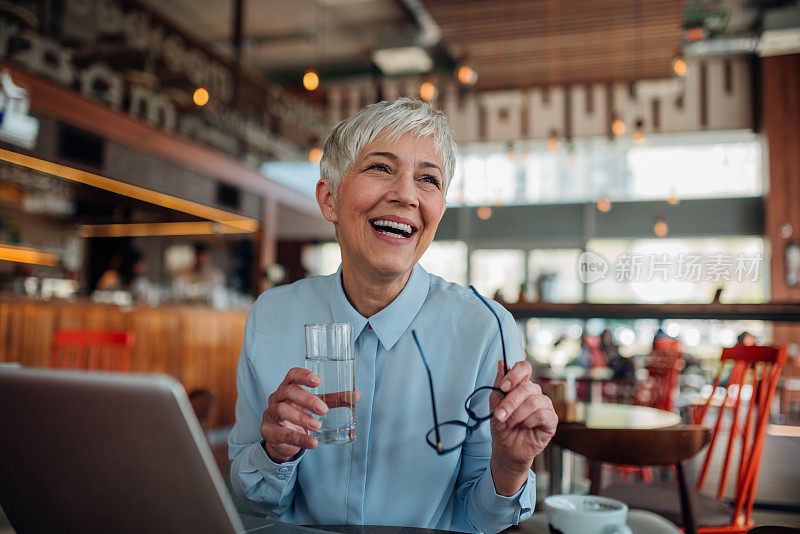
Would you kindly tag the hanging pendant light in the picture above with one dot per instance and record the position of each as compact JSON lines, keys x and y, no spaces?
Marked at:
{"x":311,"y":80}
{"x":427,"y":91}
{"x":673,"y":199}
{"x":201,"y":96}
{"x":315,"y":155}
{"x":679,"y":66}
{"x":466,"y":75}
{"x":660,"y":228}
{"x":617,"y":126}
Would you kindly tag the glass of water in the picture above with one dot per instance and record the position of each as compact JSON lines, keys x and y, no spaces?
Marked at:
{"x":329,"y":355}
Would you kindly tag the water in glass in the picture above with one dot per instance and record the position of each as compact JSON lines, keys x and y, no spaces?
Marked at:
{"x":336,"y":389}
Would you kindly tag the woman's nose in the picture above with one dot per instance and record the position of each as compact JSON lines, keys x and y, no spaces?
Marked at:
{"x":404,"y":189}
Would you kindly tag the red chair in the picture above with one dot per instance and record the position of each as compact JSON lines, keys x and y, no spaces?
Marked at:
{"x":663,"y":367}
{"x":656,"y":391}
{"x":758,"y":368}
{"x":93,"y":350}
{"x":598,"y":359}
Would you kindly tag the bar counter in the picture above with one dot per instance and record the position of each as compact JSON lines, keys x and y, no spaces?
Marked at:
{"x":197,"y":345}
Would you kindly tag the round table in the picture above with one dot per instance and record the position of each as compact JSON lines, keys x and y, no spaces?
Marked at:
{"x":622,"y":416}
{"x":608,"y":416}
{"x":573,"y":372}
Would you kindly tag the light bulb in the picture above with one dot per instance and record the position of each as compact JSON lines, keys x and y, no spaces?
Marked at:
{"x":618,"y":127}
{"x":310,"y":80}
{"x":315,"y":155}
{"x":427,"y":91}
{"x":201,"y":96}
{"x":466,"y":75}
{"x":680,"y":67}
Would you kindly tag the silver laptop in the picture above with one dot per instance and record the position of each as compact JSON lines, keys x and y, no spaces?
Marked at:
{"x":89,"y":452}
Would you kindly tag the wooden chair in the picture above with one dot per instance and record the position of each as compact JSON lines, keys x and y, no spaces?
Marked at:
{"x":757,"y":367}
{"x":657,"y":390}
{"x":93,"y":350}
{"x":640,"y":447}
{"x":663,"y":368}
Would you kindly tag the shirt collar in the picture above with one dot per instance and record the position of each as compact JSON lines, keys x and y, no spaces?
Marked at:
{"x":390,"y":323}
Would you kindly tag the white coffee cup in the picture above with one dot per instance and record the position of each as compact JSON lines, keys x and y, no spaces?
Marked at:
{"x":585,"y":514}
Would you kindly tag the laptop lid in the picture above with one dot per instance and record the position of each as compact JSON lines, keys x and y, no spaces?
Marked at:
{"x":90,"y":452}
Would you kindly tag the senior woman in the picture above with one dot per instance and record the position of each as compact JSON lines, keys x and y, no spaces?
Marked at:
{"x":385,"y":173}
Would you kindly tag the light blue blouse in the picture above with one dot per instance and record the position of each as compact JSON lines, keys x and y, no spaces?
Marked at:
{"x":389,"y":475}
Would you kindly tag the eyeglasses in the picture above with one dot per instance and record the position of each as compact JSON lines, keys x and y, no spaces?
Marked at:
{"x":450,"y":435}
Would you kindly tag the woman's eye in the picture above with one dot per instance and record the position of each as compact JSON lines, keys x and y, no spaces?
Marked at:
{"x":379,"y":167}
{"x":431,"y":179}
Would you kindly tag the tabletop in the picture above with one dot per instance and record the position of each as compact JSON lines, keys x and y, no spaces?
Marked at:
{"x":607,"y":416}
{"x":578,"y":373}
{"x":622,"y":416}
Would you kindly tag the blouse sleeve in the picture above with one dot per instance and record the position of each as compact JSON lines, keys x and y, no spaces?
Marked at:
{"x":479,"y":507}
{"x":255,"y":478}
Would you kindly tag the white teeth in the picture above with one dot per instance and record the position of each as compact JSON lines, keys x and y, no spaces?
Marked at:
{"x":391,"y":224}
{"x":391,"y":234}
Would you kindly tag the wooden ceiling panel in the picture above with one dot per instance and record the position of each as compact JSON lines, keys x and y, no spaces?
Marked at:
{"x":518,"y":43}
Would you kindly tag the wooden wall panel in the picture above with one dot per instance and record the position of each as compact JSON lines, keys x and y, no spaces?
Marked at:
{"x":196,"y":345}
{"x":780,"y":114}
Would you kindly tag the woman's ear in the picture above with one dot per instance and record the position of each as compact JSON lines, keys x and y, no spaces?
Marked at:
{"x":326,"y":202}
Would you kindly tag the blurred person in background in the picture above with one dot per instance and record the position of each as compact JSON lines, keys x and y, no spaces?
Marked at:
{"x":660,"y":333}
{"x":140,"y":286}
{"x":623,"y":368}
{"x":201,"y":280}
{"x":591,"y":355}
{"x":111,"y":279}
{"x":746,"y":338}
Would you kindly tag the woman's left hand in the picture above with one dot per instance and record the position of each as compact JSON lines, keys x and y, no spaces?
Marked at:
{"x":523,"y":423}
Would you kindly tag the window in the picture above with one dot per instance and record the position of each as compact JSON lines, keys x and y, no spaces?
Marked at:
{"x":498,"y":270}
{"x":696,"y":171}
{"x":447,"y":259}
{"x":322,"y":259}
{"x":488,"y":179}
{"x":697,"y":165}
{"x":557,"y":341}
{"x":555,"y":273}
{"x":553,"y":341}
{"x":680,"y":270}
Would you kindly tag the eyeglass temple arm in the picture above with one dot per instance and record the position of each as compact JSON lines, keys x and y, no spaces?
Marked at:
{"x":499,"y":324}
{"x":430,"y":383}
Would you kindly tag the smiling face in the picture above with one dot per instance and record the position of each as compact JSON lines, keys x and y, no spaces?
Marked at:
{"x":390,"y":202}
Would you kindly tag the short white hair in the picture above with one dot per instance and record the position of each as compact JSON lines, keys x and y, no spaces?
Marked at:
{"x":393,"y":118}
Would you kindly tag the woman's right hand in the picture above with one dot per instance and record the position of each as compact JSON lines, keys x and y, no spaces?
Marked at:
{"x":286,"y":423}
